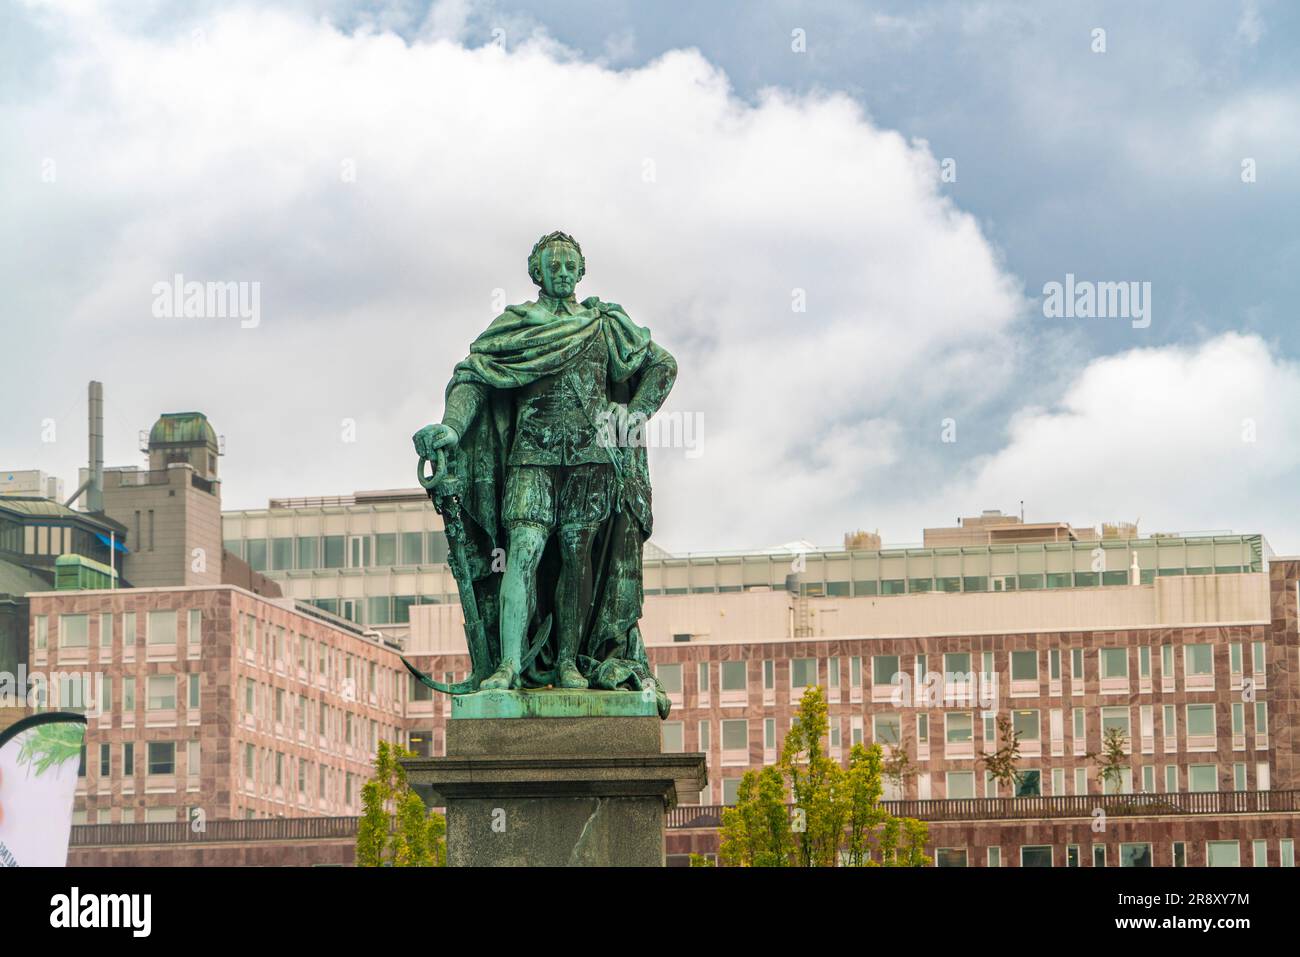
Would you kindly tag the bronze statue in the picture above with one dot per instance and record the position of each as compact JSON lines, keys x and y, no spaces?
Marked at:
{"x":546,"y":510}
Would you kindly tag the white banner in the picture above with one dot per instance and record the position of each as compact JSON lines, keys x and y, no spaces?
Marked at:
{"x":39,"y":759}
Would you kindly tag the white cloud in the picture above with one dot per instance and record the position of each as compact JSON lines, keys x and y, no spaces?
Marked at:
{"x":698,"y":212}
{"x":1185,"y":438}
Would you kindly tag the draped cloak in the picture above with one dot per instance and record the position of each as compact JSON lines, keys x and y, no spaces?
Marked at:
{"x":526,"y":343}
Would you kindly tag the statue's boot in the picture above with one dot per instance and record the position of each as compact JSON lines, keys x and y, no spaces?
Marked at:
{"x":504,"y":678}
{"x":567,"y":675}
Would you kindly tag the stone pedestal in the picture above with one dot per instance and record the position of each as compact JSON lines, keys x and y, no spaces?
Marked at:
{"x":527,"y":783}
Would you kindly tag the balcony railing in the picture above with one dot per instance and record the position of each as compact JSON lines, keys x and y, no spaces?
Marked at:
{"x":1040,"y":808}
{"x":181,"y":832}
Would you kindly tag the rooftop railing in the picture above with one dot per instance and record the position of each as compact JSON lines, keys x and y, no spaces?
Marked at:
{"x":1044,"y":808}
{"x":708,"y":816}
{"x":182,"y":832}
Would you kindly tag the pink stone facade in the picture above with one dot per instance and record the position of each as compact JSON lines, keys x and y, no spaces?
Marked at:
{"x":260,"y":711}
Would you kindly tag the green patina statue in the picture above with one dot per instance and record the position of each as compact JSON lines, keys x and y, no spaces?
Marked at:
{"x":546,"y":511}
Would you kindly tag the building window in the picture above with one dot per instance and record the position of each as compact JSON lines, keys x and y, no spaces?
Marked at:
{"x":1027,"y":724}
{"x":735,"y":735}
{"x":1202,"y":777}
{"x":307,"y":552}
{"x":412,"y":548}
{"x":106,"y":630}
{"x":961,"y":784}
{"x":702,"y":677}
{"x":1222,"y":854}
{"x":128,"y":695}
{"x":670,"y":677}
{"x":769,"y":675}
{"x":1099,"y":855}
{"x":1030,"y":784}
{"x":886,"y":728}
{"x":74,"y":631}
{"x":1171,"y":778}
{"x":333,"y":548}
{"x":1200,"y":720}
{"x":194,"y":627}
{"x":959,"y":728}
{"x":193,"y":681}
{"x":1114,"y":662}
{"x":255,"y":553}
{"x":281,"y":554}
{"x":1286,"y":852}
{"x":1024,"y":666}
{"x":883,"y":669}
{"x":162,"y":757}
{"x":1036,"y":855}
{"x":730,"y":786}
{"x":1115,"y":719}
{"x":1135,"y":855}
{"x":733,"y":676}
{"x":105,"y":760}
{"x":995,"y":857}
{"x":672,"y":737}
{"x":161,"y":628}
{"x":769,"y":733}
{"x":1072,"y":855}
{"x":386,"y":549}
{"x":705,"y":738}
{"x":1180,"y":854}
{"x":128,"y":759}
{"x":1144,"y":662}
{"x":950,"y":857}
{"x":1076,"y":664}
{"x":162,"y":693}
{"x":855,"y":672}
{"x":1198,"y":660}
{"x":803,"y":672}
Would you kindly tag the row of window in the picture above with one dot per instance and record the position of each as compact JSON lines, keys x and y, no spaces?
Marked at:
{"x":282,"y":712}
{"x":959,"y":730}
{"x":384,"y":549}
{"x":298,"y":779}
{"x":1135,"y":854}
{"x":160,"y":629}
{"x":277,"y":649}
{"x":967,"y":583}
{"x":95,"y":693}
{"x":1113,"y":664}
{"x":1197,"y":779}
{"x":159,"y":759}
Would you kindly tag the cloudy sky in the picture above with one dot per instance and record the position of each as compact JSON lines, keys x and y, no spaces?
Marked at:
{"x":839,"y":216}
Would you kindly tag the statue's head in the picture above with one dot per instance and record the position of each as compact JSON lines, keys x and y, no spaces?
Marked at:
{"x":556,"y":264}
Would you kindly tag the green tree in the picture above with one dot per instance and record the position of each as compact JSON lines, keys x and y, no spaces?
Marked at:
{"x":395,"y":828}
{"x":756,"y":831}
{"x":836,"y":816}
{"x":863,"y":787}
{"x":814,"y":777}
{"x":1003,"y":764}
{"x":1112,"y":760}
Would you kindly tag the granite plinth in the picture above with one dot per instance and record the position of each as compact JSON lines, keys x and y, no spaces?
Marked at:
{"x":554,"y":791}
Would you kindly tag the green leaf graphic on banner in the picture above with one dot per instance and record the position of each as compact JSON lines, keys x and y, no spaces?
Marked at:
{"x":49,"y":744}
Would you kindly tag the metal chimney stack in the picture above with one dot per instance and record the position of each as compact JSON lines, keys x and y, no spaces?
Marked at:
{"x":95,"y":493}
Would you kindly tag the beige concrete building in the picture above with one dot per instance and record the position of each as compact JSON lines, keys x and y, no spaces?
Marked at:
{"x":172,"y":509}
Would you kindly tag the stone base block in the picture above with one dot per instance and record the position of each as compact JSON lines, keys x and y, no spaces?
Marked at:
{"x":555,"y":792}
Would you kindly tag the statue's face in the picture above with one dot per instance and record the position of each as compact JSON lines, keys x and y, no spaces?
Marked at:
{"x":561,"y":269}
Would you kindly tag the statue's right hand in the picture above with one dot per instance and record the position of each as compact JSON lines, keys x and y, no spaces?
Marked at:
{"x":431,"y":438}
